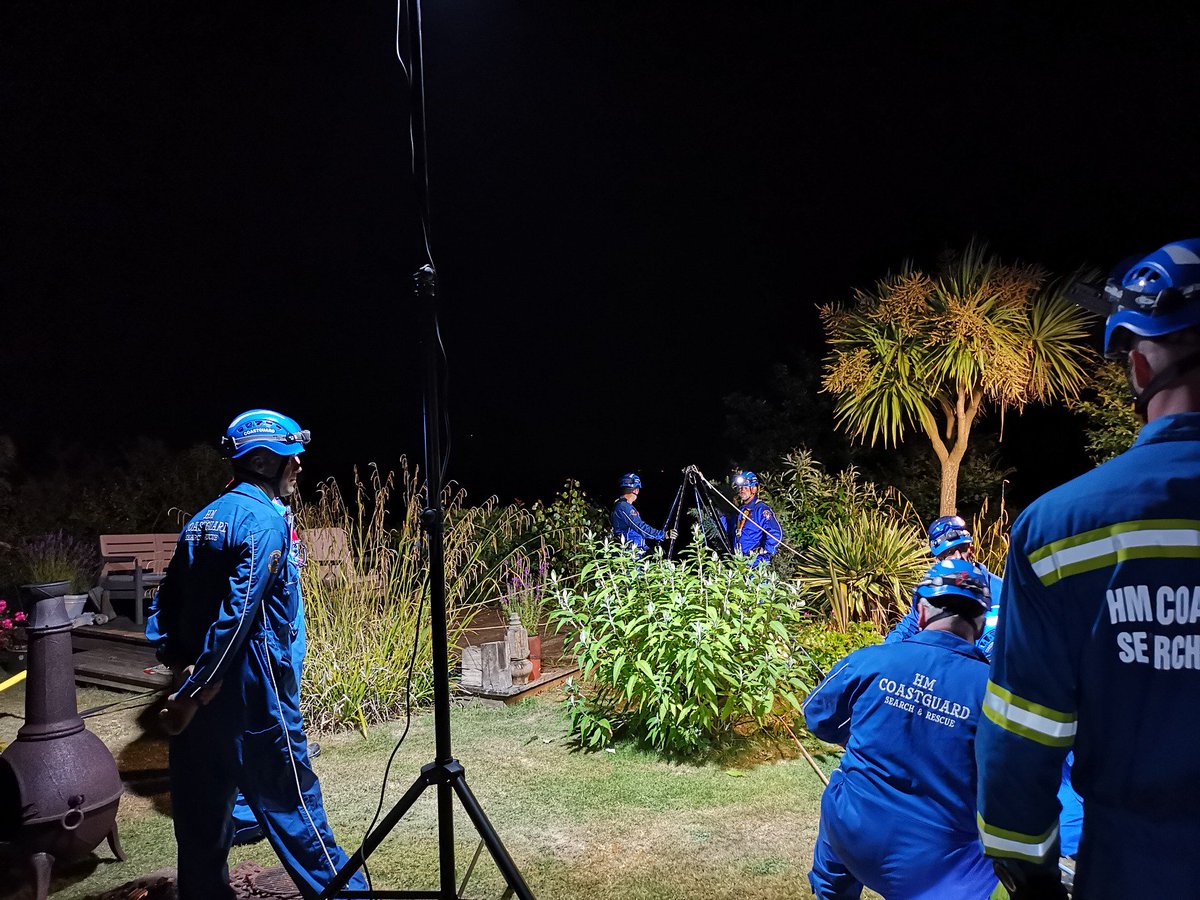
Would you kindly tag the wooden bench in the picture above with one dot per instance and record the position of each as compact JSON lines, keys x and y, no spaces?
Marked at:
{"x":133,"y":565}
{"x":329,"y":550}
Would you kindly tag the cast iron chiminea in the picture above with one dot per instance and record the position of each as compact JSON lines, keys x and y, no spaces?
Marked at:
{"x":66,"y":781}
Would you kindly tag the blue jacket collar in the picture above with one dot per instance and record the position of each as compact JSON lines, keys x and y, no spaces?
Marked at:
{"x":1176,"y":427}
{"x":948,"y":641}
{"x":253,"y":491}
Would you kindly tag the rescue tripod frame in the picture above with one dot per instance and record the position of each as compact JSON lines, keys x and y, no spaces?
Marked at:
{"x":445,"y":773}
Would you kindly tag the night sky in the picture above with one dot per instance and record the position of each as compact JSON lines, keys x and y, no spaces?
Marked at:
{"x":636,"y":207}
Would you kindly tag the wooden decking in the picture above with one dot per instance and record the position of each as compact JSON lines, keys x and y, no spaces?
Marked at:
{"x":117,"y":655}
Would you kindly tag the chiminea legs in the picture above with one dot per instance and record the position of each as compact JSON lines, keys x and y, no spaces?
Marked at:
{"x":114,"y":844}
{"x":41,"y":863}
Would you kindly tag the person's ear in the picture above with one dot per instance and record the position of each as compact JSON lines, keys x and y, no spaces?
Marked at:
{"x":1140,"y":372}
{"x":922,"y":614}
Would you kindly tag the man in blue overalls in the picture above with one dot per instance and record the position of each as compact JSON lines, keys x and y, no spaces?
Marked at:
{"x":754,"y":531}
{"x":246,"y":829}
{"x":899,"y":813}
{"x":949,"y":538}
{"x":627,"y":523}
{"x":223,"y":622}
{"x":1098,"y":645}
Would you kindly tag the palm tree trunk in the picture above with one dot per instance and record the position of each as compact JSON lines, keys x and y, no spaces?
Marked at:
{"x":949,"y":499}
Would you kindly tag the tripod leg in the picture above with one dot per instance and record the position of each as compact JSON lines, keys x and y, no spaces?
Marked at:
{"x":375,"y":837}
{"x":479,"y":818}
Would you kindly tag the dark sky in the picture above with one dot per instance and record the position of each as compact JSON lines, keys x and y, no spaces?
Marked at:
{"x":636,"y":207}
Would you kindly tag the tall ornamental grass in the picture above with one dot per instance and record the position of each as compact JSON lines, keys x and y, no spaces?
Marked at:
{"x":362,"y":612}
{"x":678,"y":654}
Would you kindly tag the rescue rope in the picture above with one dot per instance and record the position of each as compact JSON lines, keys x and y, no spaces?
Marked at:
{"x":812,"y":762}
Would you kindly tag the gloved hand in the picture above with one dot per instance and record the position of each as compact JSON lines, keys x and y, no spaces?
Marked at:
{"x":670,"y":534}
{"x":1022,"y":884}
{"x":177,"y":712}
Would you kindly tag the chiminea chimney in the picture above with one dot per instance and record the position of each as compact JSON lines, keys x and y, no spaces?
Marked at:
{"x":66,"y":781}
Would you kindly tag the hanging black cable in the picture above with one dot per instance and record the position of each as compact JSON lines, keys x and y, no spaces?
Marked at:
{"x":444,"y":774}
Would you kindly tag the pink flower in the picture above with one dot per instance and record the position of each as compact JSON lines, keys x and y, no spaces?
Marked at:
{"x":6,"y":624}
{"x":19,"y":617}
{"x":3,"y":606}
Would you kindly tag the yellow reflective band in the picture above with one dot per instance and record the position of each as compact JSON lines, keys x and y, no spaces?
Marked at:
{"x":1103,"y":547}
{"x":1014,"y":844}
{"x":1027,"y":719}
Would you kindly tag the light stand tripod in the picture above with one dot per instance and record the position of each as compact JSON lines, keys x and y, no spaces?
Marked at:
{"x":445,"y":773}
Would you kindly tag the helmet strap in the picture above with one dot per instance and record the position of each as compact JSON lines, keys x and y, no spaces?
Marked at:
{"x":269,"y":481}
{"x":1162,"y":380}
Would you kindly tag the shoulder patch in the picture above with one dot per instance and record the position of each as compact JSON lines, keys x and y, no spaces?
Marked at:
{"x":273,"y":561}
{"x":766,"y":514}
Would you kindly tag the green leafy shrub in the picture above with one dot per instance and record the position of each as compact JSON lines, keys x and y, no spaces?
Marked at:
{"x":826,"y":645}
{"x":679,"y":653}
{"x":808,"y":499}
{"x":566,"y":522}
{"x":1107,"y":408}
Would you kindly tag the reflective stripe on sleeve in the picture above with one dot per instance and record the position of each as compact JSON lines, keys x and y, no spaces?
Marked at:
{"x":1103,"y":547}
{"x":1013,"y":844}
{"x":1028,"y":720}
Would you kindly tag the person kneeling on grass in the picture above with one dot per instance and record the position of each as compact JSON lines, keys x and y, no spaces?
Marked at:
{"x":899,"y":813}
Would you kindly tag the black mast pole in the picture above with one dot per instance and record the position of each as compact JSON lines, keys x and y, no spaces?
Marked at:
{"x":445,"y":773}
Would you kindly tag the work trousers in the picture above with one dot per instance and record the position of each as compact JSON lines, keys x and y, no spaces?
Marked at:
{"x":861,"y":840}
{"x":250,"y":737}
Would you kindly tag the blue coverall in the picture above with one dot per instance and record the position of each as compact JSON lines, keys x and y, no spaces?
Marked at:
{"x":245,"y":825}
{"x":899,"y":813}
{"x":1098,"y":649}
{"x":1071,"y":820}
{"x":225,"y":607}
{"x":755,"y":532}
{"x":908,"y":626}
{"x":627,"y":525}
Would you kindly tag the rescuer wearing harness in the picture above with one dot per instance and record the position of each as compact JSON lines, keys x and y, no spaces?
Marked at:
{"x":223,"y":621}
{"x":1098,"y":646}
{"x":627,"y":523}
{"x":899,"y":813}
{"x":754,"y":532}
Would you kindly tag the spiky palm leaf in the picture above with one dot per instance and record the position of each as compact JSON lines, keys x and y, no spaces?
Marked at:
{"x":922,"y":350}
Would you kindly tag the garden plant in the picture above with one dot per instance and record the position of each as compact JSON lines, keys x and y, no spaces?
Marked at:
{"x":930,"y":350}
{"x":680,"y":653}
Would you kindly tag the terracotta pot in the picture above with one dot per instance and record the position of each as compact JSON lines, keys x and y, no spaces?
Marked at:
{"x":535,"y":657}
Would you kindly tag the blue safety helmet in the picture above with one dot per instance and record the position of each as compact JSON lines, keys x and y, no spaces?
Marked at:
{"x":264,"y":428}
{"x":958,"y":585}
{"x":1156,"y":296}
{"x":745,"y":479}
{"x":630,"y":482}
{"x":946,"y":533}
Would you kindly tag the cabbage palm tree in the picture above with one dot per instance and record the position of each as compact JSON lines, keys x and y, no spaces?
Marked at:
{"x":933,"y":350}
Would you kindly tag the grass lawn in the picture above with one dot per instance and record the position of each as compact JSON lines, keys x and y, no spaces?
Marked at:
{"x":621,"y":824}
